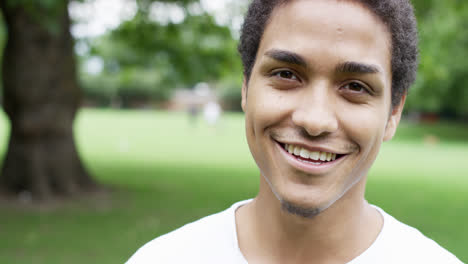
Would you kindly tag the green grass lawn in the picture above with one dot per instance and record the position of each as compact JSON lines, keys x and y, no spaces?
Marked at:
{"x":166,"y":172}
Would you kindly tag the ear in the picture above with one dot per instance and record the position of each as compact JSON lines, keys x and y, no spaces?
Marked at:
{"x":394,"y":119}
{"x":244,"y":95}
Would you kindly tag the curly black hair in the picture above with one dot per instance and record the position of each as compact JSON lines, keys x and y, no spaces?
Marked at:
{"x":397,"y":15}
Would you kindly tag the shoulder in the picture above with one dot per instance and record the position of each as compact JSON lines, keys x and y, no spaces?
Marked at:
{"x":198,"y":240}
{"x":405,"y":244}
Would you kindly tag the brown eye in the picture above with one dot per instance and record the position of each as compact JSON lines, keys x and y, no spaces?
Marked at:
{"x":355,"y":87}
{"x":286,"y":75}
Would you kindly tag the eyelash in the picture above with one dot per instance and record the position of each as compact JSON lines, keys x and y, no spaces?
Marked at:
{"x":279,"y":72}
{"x":363,"y":87}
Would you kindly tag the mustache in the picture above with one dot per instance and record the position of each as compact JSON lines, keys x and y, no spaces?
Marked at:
{"x":301,"y":135}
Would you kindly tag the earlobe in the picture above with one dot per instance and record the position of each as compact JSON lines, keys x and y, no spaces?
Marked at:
{"x":244,"y":95}
{"x":394,"y":120}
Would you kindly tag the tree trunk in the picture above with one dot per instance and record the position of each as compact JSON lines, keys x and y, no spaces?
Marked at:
{"x":41,"y":97}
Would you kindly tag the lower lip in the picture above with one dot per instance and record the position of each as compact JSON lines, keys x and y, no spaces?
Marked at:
{"x":309,"y":167}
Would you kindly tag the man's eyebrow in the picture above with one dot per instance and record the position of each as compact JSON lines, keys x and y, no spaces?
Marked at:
{"x":287,"y":57}
{"x":345,"y":67}
{"x":357,"y":67}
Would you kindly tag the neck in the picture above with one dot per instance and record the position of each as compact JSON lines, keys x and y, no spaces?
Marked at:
{"x":269,"y":234}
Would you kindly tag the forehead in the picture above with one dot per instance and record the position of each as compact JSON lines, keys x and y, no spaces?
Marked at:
{"x":330,"y":27}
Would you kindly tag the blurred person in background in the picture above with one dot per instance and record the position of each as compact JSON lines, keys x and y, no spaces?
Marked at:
{"x":325,"y":83}
{"x":212,"y":112}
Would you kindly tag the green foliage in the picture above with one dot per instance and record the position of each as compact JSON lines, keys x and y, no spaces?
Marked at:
{"x":146,"y":55}
{"x":443,"y":75}
{"x":156,"y":189}
{"x":195,"y":50}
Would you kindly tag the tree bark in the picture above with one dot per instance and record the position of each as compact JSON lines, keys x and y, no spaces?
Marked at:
{"x":41,"y":97}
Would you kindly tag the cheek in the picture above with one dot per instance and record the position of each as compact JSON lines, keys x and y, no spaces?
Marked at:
{"x":364,"y":125}
{"x":266,"y":107}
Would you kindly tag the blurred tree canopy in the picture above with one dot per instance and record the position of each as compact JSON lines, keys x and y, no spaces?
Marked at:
{"x":148,"y":58}
{"x":442,"y":83}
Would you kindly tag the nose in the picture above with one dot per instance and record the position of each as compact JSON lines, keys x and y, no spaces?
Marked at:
{"x":315,"y":112}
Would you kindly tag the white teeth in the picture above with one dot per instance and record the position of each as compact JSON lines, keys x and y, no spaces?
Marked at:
{"x":291,"y":149}
{"x":304,"y":153}
{"x":313,"y":155}
{"x":323,"y":156}
{"x":297,"y":151}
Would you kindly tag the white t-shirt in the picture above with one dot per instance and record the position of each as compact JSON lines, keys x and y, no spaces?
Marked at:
{"x":213,"y":240}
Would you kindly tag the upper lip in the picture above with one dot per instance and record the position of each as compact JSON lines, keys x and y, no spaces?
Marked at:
{"x":314,"y":147}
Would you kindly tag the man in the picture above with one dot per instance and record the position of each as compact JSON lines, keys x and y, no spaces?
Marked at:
{"x":325,"y":82}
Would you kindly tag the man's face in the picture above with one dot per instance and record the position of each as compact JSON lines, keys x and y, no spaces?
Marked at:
{"x":318,"y":102}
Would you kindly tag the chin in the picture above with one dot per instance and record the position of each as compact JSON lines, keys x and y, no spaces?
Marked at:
{"x":303,"y":200}
{"x":300,"y":210}
{"x":309,"y":204}
{"x":307,"y":208}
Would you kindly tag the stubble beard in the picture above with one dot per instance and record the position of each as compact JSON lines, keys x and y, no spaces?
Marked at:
{"x":291,"y":208}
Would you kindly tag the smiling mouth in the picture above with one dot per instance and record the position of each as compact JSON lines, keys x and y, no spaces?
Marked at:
{"x":308,"y":156}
